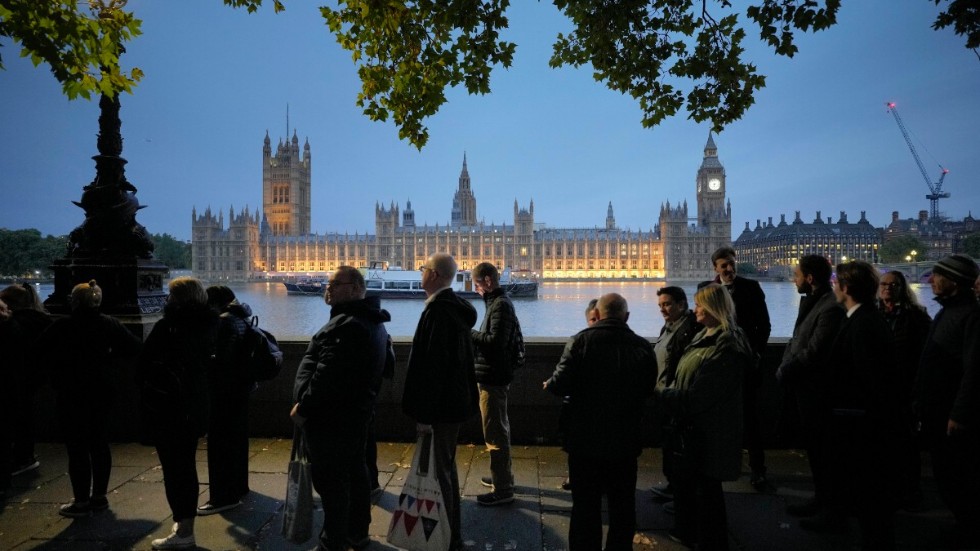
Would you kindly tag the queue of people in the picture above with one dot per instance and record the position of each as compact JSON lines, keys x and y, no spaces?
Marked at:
{"x":870,"y":379}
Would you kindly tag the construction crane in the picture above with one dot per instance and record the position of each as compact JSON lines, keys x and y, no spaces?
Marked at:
{"x":935,"y":188}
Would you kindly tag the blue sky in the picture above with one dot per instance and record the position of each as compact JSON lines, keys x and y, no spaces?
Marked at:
{"x":818,"y":138}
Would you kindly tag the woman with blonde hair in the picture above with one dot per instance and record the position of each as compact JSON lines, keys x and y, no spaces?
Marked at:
{"x":705,"y":402}
{"x":79,"y":352}
{"x":174,"y":396}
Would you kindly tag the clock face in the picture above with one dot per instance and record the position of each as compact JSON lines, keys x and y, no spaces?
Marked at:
{"x":714,"y":184}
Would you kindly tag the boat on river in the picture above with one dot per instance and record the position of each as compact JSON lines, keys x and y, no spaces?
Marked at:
{"x":306,"y":286}
{"x":386,"y":281}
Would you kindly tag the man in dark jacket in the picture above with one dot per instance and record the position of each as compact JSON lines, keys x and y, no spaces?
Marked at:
{"x":803,"y":372}
{"x":440,"y":383}
{"x":864,"y":398}
{"x":494,"y":347}
{"x":336,"y":386}
{"x":947,"y":393}
{"x":752,"y":316}
{"x":607,"y":371}
{"x":678,"y":331}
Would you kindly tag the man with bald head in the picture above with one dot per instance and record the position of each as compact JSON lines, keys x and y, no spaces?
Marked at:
{"x":607,"y":371}
{"x":440,"y":383}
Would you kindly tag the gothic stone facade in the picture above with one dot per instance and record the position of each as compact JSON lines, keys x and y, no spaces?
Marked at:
{"x":677,"y":248}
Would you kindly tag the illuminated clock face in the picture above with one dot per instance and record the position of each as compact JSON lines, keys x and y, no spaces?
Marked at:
{"x":714,"y":184}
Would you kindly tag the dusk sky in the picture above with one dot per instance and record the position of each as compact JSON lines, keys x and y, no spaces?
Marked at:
{"x":818,"y":138}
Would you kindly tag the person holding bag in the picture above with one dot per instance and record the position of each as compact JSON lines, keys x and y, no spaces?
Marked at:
{"x":440,"y":383}
{"x":336,"y":387}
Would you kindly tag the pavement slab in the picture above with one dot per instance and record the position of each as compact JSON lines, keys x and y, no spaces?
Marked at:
{"x":537,"y":520}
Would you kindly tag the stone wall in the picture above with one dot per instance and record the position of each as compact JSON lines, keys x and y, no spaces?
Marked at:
{"x":533,"y":411}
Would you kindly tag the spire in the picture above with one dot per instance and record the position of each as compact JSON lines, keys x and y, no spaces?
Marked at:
{"x":464,"y":175}
{"x":710,"y":149}
{"x":610,"y":219}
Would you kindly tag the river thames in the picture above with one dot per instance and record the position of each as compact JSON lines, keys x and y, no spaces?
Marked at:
{"x":557,"y":312}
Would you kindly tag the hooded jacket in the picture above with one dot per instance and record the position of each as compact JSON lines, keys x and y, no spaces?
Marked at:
{"x":440,"y":384}
{"x":338,"y":379}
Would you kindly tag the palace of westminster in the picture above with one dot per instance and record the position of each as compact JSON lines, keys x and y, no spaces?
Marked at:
{"x":278,"y":241}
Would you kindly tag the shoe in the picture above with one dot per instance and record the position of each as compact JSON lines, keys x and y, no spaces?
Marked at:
{"x":759,"y":481}
{"x":676,"y":537}
{"x":210,"y":508}
{"x":486,"y":481}
{"x":663,"y":492}
{"x":669,"y":507}
{"x":358,"y":544}
{"x":824,"y":523}
{"x":566,"y":484}
{"x":495,"y":498}
{"x":99,"y":503}
{"x":808,"y":508}
{"x":173,"y":541}
{"x":75,"y":509}
{"x":25,"y":467}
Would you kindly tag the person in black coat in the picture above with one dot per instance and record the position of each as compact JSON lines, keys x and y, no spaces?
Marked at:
{"x":752,"y":315}
{"x":909,"y":323}
{"x":440,"y":382}
{"x":78,"y":352}
{"x":32,"y":319}
{"x":174,"y":396}
{"x":336,"y":386}
{"x":804,"y":372}
{"x":11,"y":360}
{"x":947,"y":393}
{"x":229,"y":386}
{"x":607,"y":371}
{"x":865,"y":424}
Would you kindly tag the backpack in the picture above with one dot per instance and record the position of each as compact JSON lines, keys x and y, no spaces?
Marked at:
{"x":520,"y":355}
{"x":263,"y":358}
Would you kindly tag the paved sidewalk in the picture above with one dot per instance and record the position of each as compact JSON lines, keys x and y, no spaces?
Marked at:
{"x":537,"y":520}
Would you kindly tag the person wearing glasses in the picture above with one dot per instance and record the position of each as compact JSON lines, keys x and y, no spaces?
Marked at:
{"x":440,"y":382}
{"x":336,"y":386}
{"x":910,"y":326}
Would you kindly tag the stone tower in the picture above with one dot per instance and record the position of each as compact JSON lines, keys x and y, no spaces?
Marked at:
{"x":286,"y":186}
{"x":464,"y":203}
{"x":689,"y":241}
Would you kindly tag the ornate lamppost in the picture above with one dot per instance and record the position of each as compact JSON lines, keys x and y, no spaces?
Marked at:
{"x":110,"y":246}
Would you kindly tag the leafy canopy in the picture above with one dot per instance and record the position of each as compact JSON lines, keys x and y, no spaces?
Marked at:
{"x":80,"y":41}
{"x":666,"y":54}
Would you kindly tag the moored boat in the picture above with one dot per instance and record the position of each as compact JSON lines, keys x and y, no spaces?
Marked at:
{"x":385,"y":281}
{"x":307,"y":286}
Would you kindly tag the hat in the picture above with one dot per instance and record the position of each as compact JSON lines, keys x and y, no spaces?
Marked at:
{"x":959,"y":268}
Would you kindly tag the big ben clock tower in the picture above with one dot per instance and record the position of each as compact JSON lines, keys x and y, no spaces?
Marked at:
{"x":711,"y":187}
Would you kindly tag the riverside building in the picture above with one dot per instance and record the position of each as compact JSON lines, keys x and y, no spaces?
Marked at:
{"x":278,"y":241}
{"x":774,"y":249}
